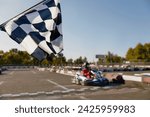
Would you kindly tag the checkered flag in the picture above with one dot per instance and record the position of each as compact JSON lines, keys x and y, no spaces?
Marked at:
{"x":38,"y":29}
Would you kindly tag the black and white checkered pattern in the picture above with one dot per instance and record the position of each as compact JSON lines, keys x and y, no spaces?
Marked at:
{"x":39,"y":29}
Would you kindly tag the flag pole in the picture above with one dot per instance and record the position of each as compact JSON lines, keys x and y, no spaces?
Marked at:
{"x":2,"y":25}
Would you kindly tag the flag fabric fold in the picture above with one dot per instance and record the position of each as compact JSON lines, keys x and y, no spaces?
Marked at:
{"x":38,"y":30}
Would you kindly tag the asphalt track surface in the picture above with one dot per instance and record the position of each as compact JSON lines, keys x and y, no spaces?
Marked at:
{"x":31,"y":84}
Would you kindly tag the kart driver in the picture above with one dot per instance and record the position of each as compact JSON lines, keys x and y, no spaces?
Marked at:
{"x":86,"y":71}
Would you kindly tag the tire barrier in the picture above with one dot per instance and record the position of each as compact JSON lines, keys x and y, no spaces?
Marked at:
{"x":114,"y":77}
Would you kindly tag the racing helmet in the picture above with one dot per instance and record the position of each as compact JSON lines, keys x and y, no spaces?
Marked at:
{"x":86,"y":65}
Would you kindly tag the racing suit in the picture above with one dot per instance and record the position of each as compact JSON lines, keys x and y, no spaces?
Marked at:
{"x":86,"y":73}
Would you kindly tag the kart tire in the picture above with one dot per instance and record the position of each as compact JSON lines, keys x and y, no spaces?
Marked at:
{"x":77,"y":82}
{"x":83,"y":83}
{"x":106,"y":82}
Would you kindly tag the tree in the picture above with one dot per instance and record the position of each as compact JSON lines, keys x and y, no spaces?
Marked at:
{"x":139,"y":53}
{"x":80,"y":60}
{"x":45,"y":62}
{"x":15,"y":57}
{"x":101,"y":61}
{"x":1,"y":56}
{"x":147,"y":49}
{"x":130,"y":54}
{"x":70,"y":61}
{"x":111,"y":58}
{"x":117,"y":59}
{"x":1,"y":52}
{"x":25,"y":57}
{"x":60,"y":60}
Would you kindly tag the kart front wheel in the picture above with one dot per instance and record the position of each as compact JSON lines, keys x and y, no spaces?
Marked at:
{"x":83,"y":83}
{"x":77,"y":82}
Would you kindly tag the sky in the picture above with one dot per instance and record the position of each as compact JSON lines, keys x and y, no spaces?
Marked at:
{"x":91,"y":27}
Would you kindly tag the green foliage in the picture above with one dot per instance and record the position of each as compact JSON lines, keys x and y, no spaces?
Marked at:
{"x":80,"y":60}
{"x":110,"y":58}
{"x":113,"y":58}
{"x":60,"y":60}
{"x":141,"y":53}
{"x":1,"y":52}
{"x":15,"y":58}
{"x":130,"y":54}
{"x":147,"y":53}
{"x":45,"y":62}
{"x":70,"y":61}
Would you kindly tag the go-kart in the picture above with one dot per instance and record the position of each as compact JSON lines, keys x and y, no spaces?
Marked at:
{"x":95,"y":80}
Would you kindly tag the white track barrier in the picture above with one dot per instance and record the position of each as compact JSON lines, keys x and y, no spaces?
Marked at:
{"x":132,"y":78}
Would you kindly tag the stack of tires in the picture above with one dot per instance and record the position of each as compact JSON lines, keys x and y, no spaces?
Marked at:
{"x":118,"y":80}
{"x":0,"y":71}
